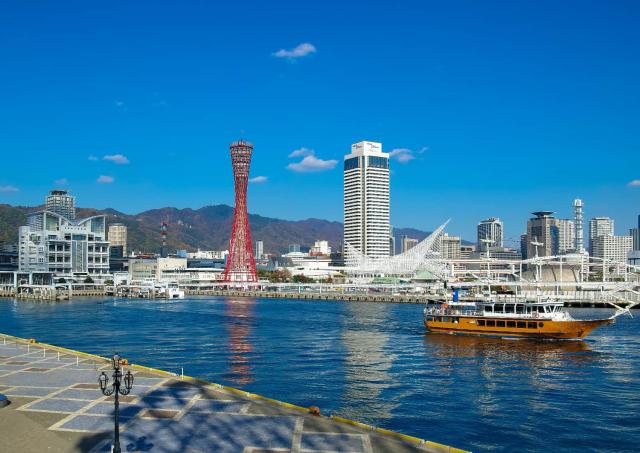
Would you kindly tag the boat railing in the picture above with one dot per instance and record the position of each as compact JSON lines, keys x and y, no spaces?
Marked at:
{"x":471,"y":312}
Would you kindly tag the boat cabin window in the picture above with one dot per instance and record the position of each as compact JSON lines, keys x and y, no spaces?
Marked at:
{"x":499,"y":309}
{"x":481,"y":322}
{"x":541,"y":325}
{"x":488,"y":308}
{"x":491,"y":323}
{"x":509,"y":308}
{"x":500,"y":323}
{"x":519,"y":309}
{"x":522,"y":325}
{"x":511,"y":323}
{"x":531,"y":325}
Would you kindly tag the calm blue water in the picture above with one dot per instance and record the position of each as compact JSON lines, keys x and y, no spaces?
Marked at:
{"x":374,"y":363}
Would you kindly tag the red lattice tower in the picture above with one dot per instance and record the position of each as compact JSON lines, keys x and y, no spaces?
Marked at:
{"x":241,"y":267}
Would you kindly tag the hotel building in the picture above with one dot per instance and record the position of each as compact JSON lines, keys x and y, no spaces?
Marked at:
{"x":366,"y":199}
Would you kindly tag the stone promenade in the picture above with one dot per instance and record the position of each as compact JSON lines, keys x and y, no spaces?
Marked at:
{"x":56,"y":406}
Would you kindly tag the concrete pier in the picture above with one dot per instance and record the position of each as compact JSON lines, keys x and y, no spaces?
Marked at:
{"x":56,"y":406}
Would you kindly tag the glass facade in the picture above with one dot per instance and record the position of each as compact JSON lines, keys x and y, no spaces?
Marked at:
{"x":352,"y":163}
{"x":378,"y":162}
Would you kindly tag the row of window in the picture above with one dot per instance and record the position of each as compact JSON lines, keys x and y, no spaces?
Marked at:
{"x":491,"y":322}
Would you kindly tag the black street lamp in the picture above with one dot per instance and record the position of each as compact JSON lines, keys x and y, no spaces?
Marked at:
{"x":116,"y":390}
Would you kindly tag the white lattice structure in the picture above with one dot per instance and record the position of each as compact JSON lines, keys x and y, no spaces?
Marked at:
{"x":424,"y":256}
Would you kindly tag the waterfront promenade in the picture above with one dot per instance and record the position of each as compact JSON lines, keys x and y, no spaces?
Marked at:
{"x":58,"y":407}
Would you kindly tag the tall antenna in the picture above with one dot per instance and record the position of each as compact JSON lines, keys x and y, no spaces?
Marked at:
{"x":578,"y":219}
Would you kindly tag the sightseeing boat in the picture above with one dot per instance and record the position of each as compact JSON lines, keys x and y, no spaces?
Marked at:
{"x":540,"y":319}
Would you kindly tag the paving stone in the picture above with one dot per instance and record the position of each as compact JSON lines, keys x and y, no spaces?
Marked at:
{"x":30,"y":391}
{"x":331,"y":442}
{"x":81,"y":394}
{"x":58,"y":405}
{"x":217,"y":406}
{"x":90,"y":423}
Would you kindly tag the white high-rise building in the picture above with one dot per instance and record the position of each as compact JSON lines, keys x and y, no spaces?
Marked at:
{"x":366,"y":199}
{"x":450,"y":247}
{"x":599,"y":226}
{"x":259,"y":250}
{"x":614,"y":248}
{"x":60,"y":202}
{"x":564,"y":237}
{"x":117,"y":235}
{"x":490,"y":234}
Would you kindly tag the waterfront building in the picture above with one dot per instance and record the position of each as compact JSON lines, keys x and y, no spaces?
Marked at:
{"x":540,"y":234}
{"x":8,"y":257}
{"x":294,"y":248}
{"x":490,"y":234}
{"x":52,"y":242}
{"x":450,"y":247}
{"x":208,"y":255}
{"x":466,"y":251}
{"x":599,"y":226}
{"x":60,"y":202}
{"x":117,"y":235}
{"x":612,"y":248}
{"x":366,"y":199}
{"x":154,"y":269}
{"x":563,"y":234}
{"x":259,"y":250}
{"x":408,"y":243}
{"x":320,"y":248}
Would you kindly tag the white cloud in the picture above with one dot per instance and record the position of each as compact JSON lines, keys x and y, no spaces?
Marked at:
{"x":301,"y":152}
{"x":92,"y":157}
{"x":105,"y":179}
{"x":301,"y":50}
{"x":404,"y":155}
{"x":117,"y":159}
{"x":9,"y":189}
{"x":61,"y":182}
{"x":634,"y":183}
{"x":312,"y":164}
{"x":258,"y":179}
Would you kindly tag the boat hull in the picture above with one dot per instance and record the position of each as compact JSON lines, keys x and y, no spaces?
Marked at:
{"x":533,"y":328}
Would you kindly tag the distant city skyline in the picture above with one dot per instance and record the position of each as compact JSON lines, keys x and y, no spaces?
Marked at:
{"x":496,"y":112}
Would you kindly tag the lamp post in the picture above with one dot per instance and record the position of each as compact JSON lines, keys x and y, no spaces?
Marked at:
{"x":116,"y":390}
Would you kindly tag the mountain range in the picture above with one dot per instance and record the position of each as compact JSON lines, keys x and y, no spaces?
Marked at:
{"x":207,"y":228}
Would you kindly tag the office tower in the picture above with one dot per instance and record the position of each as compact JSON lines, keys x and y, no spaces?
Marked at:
{"x":241,"y":266}
{"x":563,"y":234}
{"x":259,"y":250}
{"x":614,"y":248}
{"x":60,"y":202}
{"x":599,"y":226}
{"x":450,"y":247}
{"x":635,"y":234}
{"x":524,"y":246}
{"x":366,"y":199}
{"x":540,"y":234}
{"x":408,"y":243}
{"x":578,"y":217}
{"x":117,"y":236}
{"x":490,"y":234}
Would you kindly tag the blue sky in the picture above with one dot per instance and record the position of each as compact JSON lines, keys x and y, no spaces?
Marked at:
{"x":501,"y":108}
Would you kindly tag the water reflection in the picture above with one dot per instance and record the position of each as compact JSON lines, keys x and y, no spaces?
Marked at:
{"x":239,"y":319}
{"x":367,"y":362}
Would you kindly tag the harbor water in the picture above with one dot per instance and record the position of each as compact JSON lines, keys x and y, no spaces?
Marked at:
{"x":373,"y":362}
